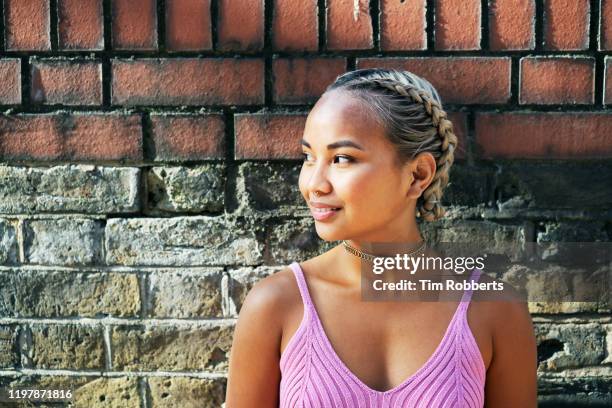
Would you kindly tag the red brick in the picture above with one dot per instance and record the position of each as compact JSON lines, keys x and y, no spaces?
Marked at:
{"x":546,"y":135}
{"x":512,"y":24}
{"x":295,"y":25}
{"x":608,"y":81}
{"x":402,"y":25}
{"x":268,"y":136}
{"x":66,"y":82}
{"x":606,"y":25}
{"x":188,"y":137}
{"x":188,"y":25}
{"x":303,"y":80}
{"x":566,"y":24}
{"x":188,"y":81}
{"x":464,"y":80}
{"x":557,"y":80}
{"x":80,"y":24}
{"x":347,"y":29}
{"x":71,"y":137}
{"x":241,"y":25}
{"x":10,"y":78}
{"x":134,"y":24}
{"x":457,"y":25}
{"x":27,"y":25}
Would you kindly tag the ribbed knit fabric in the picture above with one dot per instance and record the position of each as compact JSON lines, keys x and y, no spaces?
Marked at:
{"x":312,"y":374}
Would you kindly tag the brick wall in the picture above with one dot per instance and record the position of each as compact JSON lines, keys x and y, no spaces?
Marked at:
{"x":149,"y":161}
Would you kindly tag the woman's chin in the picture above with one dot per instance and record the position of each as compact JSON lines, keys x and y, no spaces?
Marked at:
{"x":327,"y":232}
{"x":330,"y":233}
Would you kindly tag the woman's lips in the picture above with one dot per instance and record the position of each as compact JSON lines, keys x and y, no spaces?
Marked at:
{"x":321,"y":214}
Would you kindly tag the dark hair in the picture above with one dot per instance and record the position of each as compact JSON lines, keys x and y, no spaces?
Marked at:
{"x":409,"y":108}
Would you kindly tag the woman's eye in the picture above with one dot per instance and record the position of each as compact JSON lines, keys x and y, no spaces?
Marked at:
{"x":347,"y":158}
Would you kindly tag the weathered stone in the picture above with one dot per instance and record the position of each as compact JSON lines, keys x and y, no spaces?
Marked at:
{"x":180,"y":241}
{"x":8,"y":295}
{"x":183,"y":189}
{"x":35,"y":293}
{"x":8,"y":242}
{"x":295,"y":239}
{"x":572,"y":231}
{"x":576,"y":391}
{"x":67,"y":346}
{"x":84,"y":391}
{"x":569,"y":345}
{"x":566,"y":307}
{"x":8,"y":347}
{"x":269,"y":186}
{"x":187,"y":392}
{"x":241,"y":281}
{"x":185,"y":294}
{"x":552,"y":288}
{"x":63,"y":241}
{"x":608,"y":359}
{"x":468,"y":186}
{"x":498,"y":244}
{"x":171,"y":348}
{"x":487,"y":233}
{"x":550,"y":185}
{"x":579,"y":246}
{"x":67,"y":188}
{"x":119,"y":392}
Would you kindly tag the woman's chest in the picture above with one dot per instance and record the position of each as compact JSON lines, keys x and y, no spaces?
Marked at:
{"x":384,"y":344}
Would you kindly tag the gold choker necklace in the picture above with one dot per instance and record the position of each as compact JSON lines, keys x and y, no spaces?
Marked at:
{"x":370,"y":257}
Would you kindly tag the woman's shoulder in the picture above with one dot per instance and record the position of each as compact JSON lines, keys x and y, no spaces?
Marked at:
{"x":270,"y":297}
{"x":504,"y":309}
{"x":497,"y":318}
{"x":512,"y":372}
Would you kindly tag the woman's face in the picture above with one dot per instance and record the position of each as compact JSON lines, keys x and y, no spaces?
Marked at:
{"x":350,"y":163}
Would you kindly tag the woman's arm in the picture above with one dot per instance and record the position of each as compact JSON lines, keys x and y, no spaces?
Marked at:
{"x":512,"y":374}
{"x":254,"y":374}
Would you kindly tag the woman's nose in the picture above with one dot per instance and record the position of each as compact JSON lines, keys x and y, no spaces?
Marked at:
{"x":318,"y":180}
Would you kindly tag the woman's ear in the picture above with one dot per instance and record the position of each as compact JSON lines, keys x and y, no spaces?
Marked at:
{"x":421,"y":171}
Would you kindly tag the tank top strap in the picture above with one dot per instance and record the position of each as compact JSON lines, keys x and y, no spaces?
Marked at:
{"x":303,"y":287}
{"x":467,"y":293}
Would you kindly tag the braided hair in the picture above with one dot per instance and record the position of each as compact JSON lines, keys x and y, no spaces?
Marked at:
{"x":409,"y":108}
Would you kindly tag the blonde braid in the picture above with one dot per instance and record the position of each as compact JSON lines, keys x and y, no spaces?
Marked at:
{"x":430,"y":207}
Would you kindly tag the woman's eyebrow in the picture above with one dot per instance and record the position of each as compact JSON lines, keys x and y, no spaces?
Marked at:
{"x":335,"y":145}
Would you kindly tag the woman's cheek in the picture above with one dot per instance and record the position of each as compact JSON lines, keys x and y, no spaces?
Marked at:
{"x":302,"y":185}
{"x":357,"y":198}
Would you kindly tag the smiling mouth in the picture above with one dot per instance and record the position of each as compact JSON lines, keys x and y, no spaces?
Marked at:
{"x":324,"y":210}
{"x":322,"y":214}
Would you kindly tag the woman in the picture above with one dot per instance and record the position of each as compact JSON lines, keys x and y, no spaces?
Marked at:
{"x":378,"y":149}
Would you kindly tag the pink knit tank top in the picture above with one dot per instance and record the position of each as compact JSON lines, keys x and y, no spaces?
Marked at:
{"x":313,"y":376}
